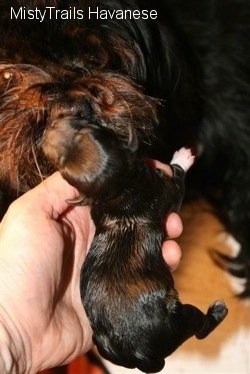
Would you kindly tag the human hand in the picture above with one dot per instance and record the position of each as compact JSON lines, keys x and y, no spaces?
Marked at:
{"x":43,"y":243}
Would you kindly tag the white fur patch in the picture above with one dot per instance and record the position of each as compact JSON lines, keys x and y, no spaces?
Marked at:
{"x":237,"y":284}
{"x":184,"y":158}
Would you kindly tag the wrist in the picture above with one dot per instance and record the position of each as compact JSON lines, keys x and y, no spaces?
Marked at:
{"x":13,"y":349}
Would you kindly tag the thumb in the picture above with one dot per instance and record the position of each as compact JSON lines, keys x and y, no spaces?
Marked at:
{"x":50,"y":196}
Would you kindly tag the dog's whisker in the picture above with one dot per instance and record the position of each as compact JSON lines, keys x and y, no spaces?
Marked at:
{"x":36,"y":162}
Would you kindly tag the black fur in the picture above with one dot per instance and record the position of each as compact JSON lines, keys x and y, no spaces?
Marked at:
{"x":126,"y":287}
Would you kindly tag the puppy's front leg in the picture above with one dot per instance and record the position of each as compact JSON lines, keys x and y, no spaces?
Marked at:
{"x":199,"y":324}
{"x":182,"y":160}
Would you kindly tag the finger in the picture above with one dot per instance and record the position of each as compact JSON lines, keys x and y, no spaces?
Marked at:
{"x":159,"y":165}
{"x":174,"y":225}
{"x":171,"y":252}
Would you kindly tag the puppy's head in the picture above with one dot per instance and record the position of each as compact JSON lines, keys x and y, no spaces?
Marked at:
{"x":98,"y":126}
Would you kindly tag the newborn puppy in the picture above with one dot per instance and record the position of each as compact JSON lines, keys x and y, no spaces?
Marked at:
{"x":126,"y":287}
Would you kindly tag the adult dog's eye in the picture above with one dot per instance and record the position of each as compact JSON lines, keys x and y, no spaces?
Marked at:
{"x":10,"y":74}
{"x":7,"y":74}
{"x":9,"y":78}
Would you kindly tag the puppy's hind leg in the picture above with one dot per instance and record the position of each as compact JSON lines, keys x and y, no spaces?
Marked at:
{"x":195,"y":322}
{"x":215,"y":315}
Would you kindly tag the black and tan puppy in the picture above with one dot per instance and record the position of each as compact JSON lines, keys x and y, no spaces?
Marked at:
{"x":126,"y":288}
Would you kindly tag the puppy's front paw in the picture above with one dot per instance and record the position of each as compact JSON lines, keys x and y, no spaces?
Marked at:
{"x":184,"y":158}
